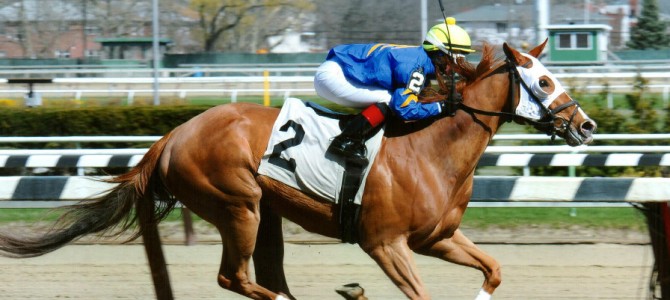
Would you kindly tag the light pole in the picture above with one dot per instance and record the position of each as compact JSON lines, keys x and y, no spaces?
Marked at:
{"x":156,"y":51}
{"x":83,"y":27}
{"x":424,"y":18}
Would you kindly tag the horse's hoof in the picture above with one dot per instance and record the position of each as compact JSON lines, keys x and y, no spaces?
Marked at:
{"x":352,"y":291}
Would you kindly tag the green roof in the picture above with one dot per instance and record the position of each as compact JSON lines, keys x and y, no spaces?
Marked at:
{"x":132,"y":40}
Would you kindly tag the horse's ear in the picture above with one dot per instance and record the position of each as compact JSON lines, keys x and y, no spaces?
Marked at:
{"x":538,"y":50}
{"x":514,"y":55}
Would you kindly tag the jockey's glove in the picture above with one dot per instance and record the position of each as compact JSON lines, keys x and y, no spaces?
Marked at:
{"x":448,"y":106}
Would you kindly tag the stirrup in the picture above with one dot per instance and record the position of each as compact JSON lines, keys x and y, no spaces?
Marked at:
{"x":350,"y":156}
{"x":359,"y":160}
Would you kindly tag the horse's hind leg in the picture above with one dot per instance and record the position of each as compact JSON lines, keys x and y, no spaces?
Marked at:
{"x":460,"y":250}
{"x":269,"y":253}
{"x":235,"y":212}
{"x":154,"y":250}
{"x":238,"y":234}
{"x":396,"y":260}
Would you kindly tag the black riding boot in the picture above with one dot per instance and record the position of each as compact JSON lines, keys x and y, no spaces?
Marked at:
{"x":350,"y":144}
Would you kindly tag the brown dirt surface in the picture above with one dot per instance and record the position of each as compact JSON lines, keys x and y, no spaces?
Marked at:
{"x":537,"y":263}
{"x":112,"y":271}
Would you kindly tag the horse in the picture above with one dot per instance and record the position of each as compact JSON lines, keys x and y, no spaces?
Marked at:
{"x":416,"y":193}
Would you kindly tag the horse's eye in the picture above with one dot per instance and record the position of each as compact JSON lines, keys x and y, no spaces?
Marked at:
{"x":544,"y":83}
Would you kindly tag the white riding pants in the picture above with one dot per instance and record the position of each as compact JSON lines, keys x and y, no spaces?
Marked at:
{"x":330,"y":83}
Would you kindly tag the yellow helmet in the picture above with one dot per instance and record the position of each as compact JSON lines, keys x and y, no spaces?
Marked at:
{"x":438,"y":36}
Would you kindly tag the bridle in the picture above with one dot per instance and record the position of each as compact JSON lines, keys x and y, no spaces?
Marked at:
{"x":550,"y":122}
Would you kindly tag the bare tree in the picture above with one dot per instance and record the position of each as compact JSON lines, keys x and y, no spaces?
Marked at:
{"x":365,"y":21}
{"x":177,"y":22}
{"x":231,"y":24}
{"x":36,"y":27}
{"x":388,"y":21}
{"x":119,"y":18}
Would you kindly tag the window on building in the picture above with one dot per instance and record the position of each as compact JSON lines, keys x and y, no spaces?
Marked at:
{"x":62,"y":54}
{"x":3,"y":54}
{"x":92,"y":53}
{"x":582,"y":40}
{"x":501,"y":27}
{"x":574,"y":40}
{"x":93,"y":30}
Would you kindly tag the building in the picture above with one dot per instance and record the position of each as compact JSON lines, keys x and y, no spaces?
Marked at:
{"x":516,"y":23}
{"x":578,"y":43}
{"x":131,"y":48}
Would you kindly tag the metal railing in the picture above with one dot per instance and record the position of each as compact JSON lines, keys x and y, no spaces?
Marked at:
{"x":128,"y":157}
{"x":284,"y":80}
{"x":497,"y":137}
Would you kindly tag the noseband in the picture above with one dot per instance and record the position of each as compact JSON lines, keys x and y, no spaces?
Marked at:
{"x":550,"y":123}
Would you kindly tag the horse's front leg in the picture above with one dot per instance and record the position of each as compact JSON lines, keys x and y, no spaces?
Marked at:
{"x":269,"y":253}
{"x":395,"y":258}
{"x":460,"y":250}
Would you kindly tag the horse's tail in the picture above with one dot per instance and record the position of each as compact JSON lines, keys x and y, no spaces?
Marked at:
{"x":110,"y":214}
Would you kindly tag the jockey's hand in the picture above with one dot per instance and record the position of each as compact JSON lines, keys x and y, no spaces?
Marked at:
{"x":446,"y":107}
{"x":456,"y":97}
{"x":449,"y":105}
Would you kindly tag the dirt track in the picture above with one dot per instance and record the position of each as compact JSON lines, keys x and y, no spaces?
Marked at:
{"x":592,"y":271}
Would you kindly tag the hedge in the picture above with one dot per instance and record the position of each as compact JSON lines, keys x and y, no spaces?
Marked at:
{"x":122,"y":120}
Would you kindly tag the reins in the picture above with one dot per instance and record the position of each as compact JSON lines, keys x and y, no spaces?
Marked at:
{"x":548,"y":121}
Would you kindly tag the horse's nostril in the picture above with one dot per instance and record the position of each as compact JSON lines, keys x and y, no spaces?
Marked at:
{"x":588,"y":127}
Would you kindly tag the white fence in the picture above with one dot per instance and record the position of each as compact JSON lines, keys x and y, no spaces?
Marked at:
{"x":153,"y":138}
{"x":283,"y":81}
{"x":496,"y":191}
{"x":37,"y":191}
{"x":282,"y":69}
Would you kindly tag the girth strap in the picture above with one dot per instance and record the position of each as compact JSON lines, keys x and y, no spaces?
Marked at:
{"x":350,"y":211}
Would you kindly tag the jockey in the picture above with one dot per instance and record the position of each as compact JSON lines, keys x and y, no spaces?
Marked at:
{"x":383,"y":77}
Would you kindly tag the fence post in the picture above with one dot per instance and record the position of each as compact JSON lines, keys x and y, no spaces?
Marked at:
{"x":131,"y":97}
{"x":266,"y":88}
{"x":610,"y":100}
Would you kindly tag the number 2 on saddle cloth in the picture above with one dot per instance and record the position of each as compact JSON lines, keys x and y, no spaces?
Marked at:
{"x":296,"y":156}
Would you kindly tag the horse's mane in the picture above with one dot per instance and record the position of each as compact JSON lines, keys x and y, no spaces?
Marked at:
{"x":468,"y":72}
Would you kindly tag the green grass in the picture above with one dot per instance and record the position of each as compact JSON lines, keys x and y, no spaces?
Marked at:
{"x":25,"y":215}
{"x":32,"y":215}
{"x":601,"y":217}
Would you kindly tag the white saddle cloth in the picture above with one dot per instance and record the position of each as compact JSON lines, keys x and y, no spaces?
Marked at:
{"x":296,"y":152}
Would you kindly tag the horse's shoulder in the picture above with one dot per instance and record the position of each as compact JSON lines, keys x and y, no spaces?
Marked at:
{"x":397,"y":127}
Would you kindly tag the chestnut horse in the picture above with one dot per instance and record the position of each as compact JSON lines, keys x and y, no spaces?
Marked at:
{"x":416,"y":192}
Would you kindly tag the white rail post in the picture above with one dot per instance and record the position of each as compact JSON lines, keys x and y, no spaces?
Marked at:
{"x":131,"y":96}
{"x":610,"y":100}
{"x":233,"y":96}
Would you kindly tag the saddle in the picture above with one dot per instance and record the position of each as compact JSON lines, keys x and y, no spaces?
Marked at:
{"x":296,"y":156}
{"x":328,"y":113}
